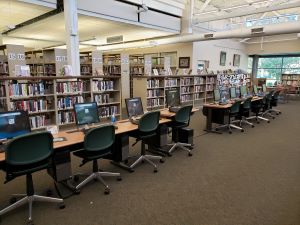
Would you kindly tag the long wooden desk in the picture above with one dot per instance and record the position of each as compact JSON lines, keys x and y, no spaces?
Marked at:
{"x":210,"y":107}
{"x":124,"y":126}
{"x":167,"y":114}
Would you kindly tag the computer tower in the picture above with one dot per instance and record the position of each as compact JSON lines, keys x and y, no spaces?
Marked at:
{"x":121,"y":148}
{"x":161,"y":137}
{"x":186,"y":135}
{"x":61,"y":166}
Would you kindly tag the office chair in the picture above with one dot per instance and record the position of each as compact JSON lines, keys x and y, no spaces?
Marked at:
{"x":267,"y":108}
{"x":181,"y":119}
{"x":98,"y":144}
{"x":233,"y":112}
{"x":274,"y":102}
{"x":245,"y":109}
{"x":147,"y":127}
{"x":257,"y":107}
{"x":25,"y":155}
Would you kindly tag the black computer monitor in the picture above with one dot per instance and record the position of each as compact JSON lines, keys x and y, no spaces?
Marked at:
{"x":86,"y":113}
{"x":217,"y":95}
{"x":13,"y":124}
{"x":264,"y":88}
{"x":173,"y":97}
{"x":134,"y":106}
{"x":255,"y":91}
{"x":232,"y":92}
{"x":243,"y":91}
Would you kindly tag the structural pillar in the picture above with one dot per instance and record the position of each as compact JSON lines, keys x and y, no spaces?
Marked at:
{"x":72,"y":38}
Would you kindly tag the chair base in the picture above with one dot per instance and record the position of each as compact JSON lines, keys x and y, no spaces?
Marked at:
{"x":258,"y":118}
{"x":229,"y":126}
{"x":147,"y":158}
{"x":97,"y":176}
{"x":244,"y":120}
{"x":29,"y":200}
{"x":182,"y":146}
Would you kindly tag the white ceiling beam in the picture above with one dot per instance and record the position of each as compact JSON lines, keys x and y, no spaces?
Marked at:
{"x":205,"y":4}
{"x":249,"y":12}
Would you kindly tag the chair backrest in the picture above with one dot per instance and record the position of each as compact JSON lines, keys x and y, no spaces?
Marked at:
{"x":235,"y":108}
{"x":183,"y":114}
{"x":247,"y":103}
{"x":149,"y":121}
{"x":99,"y":138}
{"x":276,"y":94}
{"x":29,"y":148}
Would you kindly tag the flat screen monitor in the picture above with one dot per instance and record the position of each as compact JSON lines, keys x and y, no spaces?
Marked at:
{"x":173,"y":97}
{"x":255,"y":91}
{"x":134,"y":107}
{"x":217,"y":95}
{"x":264,"y":88}
{"x":86,"y":113}
{"x":13,"y":124}
{"x":243,"y":91}
{"x":232,"y":92}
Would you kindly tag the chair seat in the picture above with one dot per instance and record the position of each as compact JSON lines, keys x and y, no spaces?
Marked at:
{"x":91,"y":155}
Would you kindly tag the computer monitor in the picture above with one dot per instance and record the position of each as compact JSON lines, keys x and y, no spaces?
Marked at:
{"x":232,"y":92}
{"x":173,"y":97}
{"x":134,"y":106}
{"x":13,"y":124}
{"x":86,"y":113}
{"x":255,"y":91}
{"x":217,"y":95}
{"x":243,"y":91}
{"x":264,"y":88}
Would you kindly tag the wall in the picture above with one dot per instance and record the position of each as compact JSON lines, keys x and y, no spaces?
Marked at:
{"x":210,"y":50}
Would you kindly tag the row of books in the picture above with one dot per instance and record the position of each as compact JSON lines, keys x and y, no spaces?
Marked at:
{"x":68,"y":102}
{"x":39,"y":121}
{"x":289,"y":82}
{"x":153,"y":83}
{"x":30,"y":105}
{"x":102,"y":85}
{"x":185,"y":90}
{"x":199,"y":88}
{"x":86,"y":69}
{"x":137,"y":70}
{"x":108,"y":111}
{"x":21,"y":89}
{"x":210,"y":80}
{"x":69,"y":87}
{"x":171,"y":83}
{"x":66,"y":117}
{"x":3,"y":68}
{"x":199,"y":96}
{"x":291,"y":77}
{"x":199,"y":80}
{"x":112,"y":70}
{"x":209,"y":87}
{"x":36,"y":69}
{"x":2,"y":90}
{"x":49,"y":70}
{"x":187,"y":81}
{"x":154,"y":93}
{"x":102,"y":99}
{"x":155,"y":102}
{"x":186,"y":98}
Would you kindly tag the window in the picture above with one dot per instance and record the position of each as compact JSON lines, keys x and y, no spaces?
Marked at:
{"x":250,"y":62}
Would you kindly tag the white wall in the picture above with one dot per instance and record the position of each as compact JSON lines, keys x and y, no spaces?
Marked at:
{"x":210,"y":50}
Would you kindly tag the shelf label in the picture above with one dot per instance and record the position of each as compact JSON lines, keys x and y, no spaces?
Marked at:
{"x":61,"y":58}
{"x":97,"y":60}
{"x":12,"y":56}
{"x":21,"y":57}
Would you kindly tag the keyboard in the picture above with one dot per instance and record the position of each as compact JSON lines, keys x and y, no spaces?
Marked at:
{"x":135,"y":119}
{"x":174,"y":108}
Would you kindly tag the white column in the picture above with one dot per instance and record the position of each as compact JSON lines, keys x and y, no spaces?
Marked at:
{"x":72,"y":38}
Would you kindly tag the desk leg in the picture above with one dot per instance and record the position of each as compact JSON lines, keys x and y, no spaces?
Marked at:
{"x":209,"y":122}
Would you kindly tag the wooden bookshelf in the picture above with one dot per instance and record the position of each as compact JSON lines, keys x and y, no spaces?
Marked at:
{"x":291,"y":80}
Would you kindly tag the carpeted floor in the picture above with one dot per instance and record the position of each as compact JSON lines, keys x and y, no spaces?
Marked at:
{"x":250,"y":178}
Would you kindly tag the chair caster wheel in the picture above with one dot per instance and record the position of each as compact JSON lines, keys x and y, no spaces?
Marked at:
{"x":252,"y":126}
{"x":76,"y":178}
{"x":95,"y":179}
{"x":143,"y":161}
{"x":161,"y":161}
{"x":216,"y":129}
{"x":230,"y":132}
{"x":131,"y":170}
{"x":257,"y":122}
{"x":190,"y":154}
{"x":12,"y":200}
{"x":49,"y":193}
{"x":30,"y":222}
{"x":242,"y":131}
{"x":119,"y":178}
{"x":77,"y":192}
{"x":268,"y":121}
{"x":169,"y":154}
{"x":107,"y":191}
{"x":155,"y":170}
{"x":62,"y":206}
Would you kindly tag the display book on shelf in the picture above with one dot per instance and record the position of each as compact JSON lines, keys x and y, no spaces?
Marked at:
{"x":194,"y":89}
{"x":49,"y":100}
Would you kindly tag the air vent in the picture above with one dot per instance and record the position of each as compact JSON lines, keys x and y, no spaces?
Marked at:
{"x":114,"y":39}
{"x":257,"y":30}
{"x":208,"y":36}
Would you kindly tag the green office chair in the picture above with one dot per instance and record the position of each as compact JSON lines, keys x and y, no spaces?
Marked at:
{"x":232,"y":112}
{"x":25,"y":155}
{"x":98,"y":144}
{"x":267,"y":109}
{"x":257,"y":107}
{"x":245,"y":111}
{"x":181,"y":119}
{"x":148,"y":125}
{"x":274,"y":102}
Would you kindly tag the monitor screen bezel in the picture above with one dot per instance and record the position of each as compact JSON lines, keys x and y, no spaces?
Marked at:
{"x":173,"y":89}
{"x":215,"y":95}
{"x":245,"y":90}
{"x":231,"y":88}
{"x":84,"y":103}
{"x":25,"y":114}
{"x":126,"y":103}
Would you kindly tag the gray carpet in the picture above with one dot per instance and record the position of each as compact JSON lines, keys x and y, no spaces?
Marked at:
{"x":249,"y":178}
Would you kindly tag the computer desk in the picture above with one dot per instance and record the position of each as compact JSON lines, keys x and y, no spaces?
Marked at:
{"x":165,"y":113}
{"x":211,"y":106}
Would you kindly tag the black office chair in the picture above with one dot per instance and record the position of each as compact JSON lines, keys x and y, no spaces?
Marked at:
{"x":267,"y":108}
{"x":233,"y":112}
{"x":25,"y":155}
{"x":98,"y":144}
{"x":181,"y":119}
{"x":257,"y":107}
{"x":148,"y":125}
{"x":244,"y":113}
{"x":274,"y":102}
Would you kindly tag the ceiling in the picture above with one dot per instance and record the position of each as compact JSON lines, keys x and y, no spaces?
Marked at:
{"x":51,"y":31}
